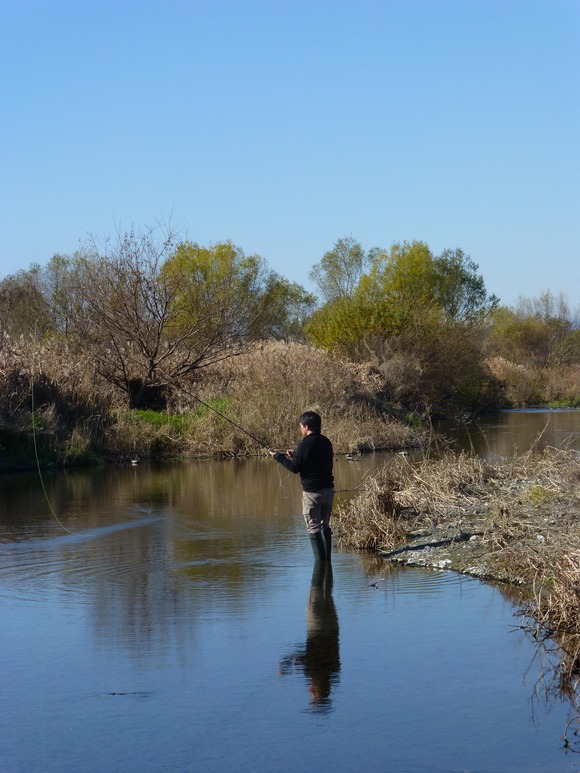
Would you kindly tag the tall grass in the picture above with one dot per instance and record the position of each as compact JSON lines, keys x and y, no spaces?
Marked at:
{"x":49,"y":406}
{"x":272,"y":385}
{"x":403,"y":498}
{"x":533,"y":385}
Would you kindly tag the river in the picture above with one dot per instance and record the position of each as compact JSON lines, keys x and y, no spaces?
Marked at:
{"x":171,"y":618}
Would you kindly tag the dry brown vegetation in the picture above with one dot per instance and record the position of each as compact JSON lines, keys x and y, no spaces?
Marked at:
{"x":534,"y":385}
{"x":404,"y":498}
{"x":272,"y":385}
{"x":236,"y":406}
{"x":516,"y":522}
{"x":71,"y":415}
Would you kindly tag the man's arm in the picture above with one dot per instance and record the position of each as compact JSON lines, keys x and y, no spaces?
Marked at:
{"x":291,"y":460}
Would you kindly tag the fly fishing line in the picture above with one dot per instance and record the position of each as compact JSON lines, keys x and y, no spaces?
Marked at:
{"x":35,"y":444}
{"x":261,"y":442}
{"x":257,"y":440}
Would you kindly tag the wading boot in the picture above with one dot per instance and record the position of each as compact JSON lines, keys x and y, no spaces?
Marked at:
{"x":327,"y":534}
{"x":318,"y":546}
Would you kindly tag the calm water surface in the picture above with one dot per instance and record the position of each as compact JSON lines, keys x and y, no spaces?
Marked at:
{"x":174,"y":622}
{"x":507,"y":433}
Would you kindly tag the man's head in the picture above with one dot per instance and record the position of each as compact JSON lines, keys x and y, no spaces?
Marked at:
{"x":311,"y":421}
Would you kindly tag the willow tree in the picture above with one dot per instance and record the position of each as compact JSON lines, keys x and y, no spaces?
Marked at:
{"x":236,"y":298}
{"x":219,"y":293}
{"x":421,"y":311}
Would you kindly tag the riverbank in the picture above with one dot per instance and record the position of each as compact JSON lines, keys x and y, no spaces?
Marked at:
{"x":67,"y":416}
{"x":514,"y":522}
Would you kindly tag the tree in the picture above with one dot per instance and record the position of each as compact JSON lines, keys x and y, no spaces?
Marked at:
{"x":419,"y":308}
{"x":539,"y":332}
{"x":23,"y":308}
{"x":218,"y":290}
{"x":405,"y":289}
{"x":155,"y":311}
{"x":57,"y":285}
{"x":339,"y":272}
{"x":124,"y":312}
{"x":152,"y":311}
{"x":238,"y":294}
{"x":282,"y":309}
{"x":341,"y":325}
{"x":460,"y":291}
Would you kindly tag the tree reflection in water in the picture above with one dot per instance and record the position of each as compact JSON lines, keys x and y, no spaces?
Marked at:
{"x":318,"y":659}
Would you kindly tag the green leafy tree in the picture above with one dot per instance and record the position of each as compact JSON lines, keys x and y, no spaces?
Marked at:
{"x":233,"y":297}
{"x":339,"y":272}
{"x":339,"y":325}
{"x":406,"y":289}
{"x":282,"y":309}
{"x":217,"y":291}
{"x":422,"y":311}
{"x":460,"y":291}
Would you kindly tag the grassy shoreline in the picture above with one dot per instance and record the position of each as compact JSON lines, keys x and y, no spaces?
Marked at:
{"x":513,"y":522}
{"x":152,"y":435}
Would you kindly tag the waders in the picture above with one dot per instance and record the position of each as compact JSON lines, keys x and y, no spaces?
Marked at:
{"x":321,"y":543}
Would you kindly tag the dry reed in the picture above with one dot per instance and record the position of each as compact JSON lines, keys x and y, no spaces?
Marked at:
{"x":272,"y":385}
{"x":526,"y":511}
{"x":263,"y":391}
{"x":530,"y":384}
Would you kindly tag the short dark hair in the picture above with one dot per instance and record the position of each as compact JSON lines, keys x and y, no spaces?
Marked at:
{"x":311,"y":420}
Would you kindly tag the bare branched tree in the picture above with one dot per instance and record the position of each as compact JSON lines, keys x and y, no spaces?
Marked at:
{"x":154,"y":311}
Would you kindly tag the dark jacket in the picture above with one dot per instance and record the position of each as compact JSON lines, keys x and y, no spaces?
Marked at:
{"x":313,"y":459}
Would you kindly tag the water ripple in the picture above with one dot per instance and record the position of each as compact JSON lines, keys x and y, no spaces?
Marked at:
{"x":416,"y":580}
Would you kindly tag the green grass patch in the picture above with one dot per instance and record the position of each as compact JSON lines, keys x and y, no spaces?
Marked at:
{"x":160,"y":419}
{"x":181,"y":421}
{"x":575,"y":403}
{"x":538,"y":495}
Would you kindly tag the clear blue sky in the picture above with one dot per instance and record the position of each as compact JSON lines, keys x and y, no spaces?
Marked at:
{"x":283,"y":125}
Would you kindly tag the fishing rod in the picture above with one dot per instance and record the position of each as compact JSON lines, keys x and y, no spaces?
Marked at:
{"x":261,"y":442}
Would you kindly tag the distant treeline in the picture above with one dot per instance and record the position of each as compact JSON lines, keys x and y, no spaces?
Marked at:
{"x":146,"y":322}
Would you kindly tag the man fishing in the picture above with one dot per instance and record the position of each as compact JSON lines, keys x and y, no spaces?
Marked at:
{"x":313,"y":459}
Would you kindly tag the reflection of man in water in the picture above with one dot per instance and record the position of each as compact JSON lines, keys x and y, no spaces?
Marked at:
{"x":319,"y":659}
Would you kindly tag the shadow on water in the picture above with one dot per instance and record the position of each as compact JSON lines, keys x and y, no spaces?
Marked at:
{"x":318,"y":659}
